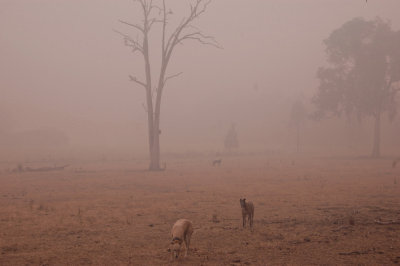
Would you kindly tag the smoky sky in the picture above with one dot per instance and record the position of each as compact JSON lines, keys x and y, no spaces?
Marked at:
{"x":63,"y":67}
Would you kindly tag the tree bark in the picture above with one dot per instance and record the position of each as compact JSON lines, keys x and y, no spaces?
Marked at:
{"x":155,"y":151}
{"x":376,"y":150}
{"x":155,"y":154}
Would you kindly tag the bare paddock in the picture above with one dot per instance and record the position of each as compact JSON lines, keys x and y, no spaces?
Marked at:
{"x":307,"y":212}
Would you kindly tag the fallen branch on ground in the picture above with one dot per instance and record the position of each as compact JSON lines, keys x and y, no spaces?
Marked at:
{"x":356,"y":252}
{"x":45,"y":169}
{"x":386,"y":222}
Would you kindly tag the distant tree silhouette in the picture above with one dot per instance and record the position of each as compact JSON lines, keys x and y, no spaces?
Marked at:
{"x":156,"y":13}
{"x":298,"y":118}
{"x":364,"y":73}
{"x":231,"y":140}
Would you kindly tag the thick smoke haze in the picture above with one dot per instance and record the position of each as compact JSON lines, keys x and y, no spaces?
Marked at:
{"x":64,"y":78}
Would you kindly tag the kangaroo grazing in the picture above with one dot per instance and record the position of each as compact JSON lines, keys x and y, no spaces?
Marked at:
{"x":247,"y":210}
{"x":181,"y":233}
{"x":217,"y":162}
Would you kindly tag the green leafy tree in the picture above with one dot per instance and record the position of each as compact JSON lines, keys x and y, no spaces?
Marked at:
{"x":363,"y":73}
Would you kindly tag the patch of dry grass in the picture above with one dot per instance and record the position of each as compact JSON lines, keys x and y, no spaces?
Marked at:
{"x":313,"y":212}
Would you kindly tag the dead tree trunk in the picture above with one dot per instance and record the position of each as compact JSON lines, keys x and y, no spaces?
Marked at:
{"x":154,"y":14}
{"x":154,"y":165}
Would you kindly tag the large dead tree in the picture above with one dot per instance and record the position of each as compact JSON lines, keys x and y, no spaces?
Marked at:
{"x":154,"y":15}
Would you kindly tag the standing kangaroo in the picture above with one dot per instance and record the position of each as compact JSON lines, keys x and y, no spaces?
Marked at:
{"x":395,"y":161}
{"x":247,"y":210}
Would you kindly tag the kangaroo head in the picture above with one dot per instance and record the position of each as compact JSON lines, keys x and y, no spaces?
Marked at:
{"x":242,"y":203}
{"x":176,"y":247}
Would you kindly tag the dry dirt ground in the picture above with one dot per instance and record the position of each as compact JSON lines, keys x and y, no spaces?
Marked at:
{"x":315,"y":211}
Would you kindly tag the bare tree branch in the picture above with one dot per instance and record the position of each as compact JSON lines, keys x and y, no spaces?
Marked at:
{"x":138,"y":27}
{"x":143,"y":4}
{"x":171,"y":77}
{"x":195,"y":11}
{"x":387,"y":222}
{"x":145,"y":108}
{"x":134,"y":79}
{"x":201,"y":38}
{"x":153,"y":6}
{"x":178,"y":37}
{"x":136,"y":46}
{"x":164,"y":28}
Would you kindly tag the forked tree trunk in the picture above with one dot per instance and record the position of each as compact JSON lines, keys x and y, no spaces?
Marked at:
{"x":155,"y":151}
{"x":178,"y":36}
{"x":376,"y":150}
{"x":152,"y":120}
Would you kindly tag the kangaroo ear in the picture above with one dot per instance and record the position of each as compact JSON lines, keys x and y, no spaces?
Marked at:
{"x":244,"y":199}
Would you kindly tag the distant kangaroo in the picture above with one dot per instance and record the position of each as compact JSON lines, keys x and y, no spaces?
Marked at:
{"x":247,"y":210}
{"x":395,"y":162}
{"x":217,"y":162}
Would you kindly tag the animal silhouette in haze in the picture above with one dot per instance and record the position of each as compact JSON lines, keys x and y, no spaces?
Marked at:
{"x":247,"y":212}
{"x":217,"y":162}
